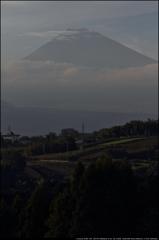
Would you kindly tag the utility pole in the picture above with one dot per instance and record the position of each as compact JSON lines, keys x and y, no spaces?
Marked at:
{"x":43,"y":150}
{"x":130,"y":144}
{"x":51,"y":147}
{"x":67,"y":151}
{"x":9,"y":129}
{"x":83,"y":129}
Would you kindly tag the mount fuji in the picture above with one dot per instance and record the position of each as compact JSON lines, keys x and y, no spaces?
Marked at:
{"x":86,"y":47}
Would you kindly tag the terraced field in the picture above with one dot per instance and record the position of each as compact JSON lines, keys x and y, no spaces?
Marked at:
{"x":58,"y":170}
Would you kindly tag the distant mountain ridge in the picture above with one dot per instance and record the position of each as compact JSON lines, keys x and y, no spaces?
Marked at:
{"x":40,"y":121}
{"x":86,"y":47}
{"x":6,"y":105}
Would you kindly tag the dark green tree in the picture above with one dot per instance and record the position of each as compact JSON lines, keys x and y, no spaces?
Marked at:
{"x":14,"y":159}
{"x":36,"y":211}
{"x":7,"y":221}
{"x":69,"y":132}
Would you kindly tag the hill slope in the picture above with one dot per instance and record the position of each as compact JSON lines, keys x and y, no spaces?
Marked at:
{"x":40,"y":121}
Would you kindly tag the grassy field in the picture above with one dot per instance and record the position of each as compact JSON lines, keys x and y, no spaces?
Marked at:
{"x":121,"y":141}
{"x":149,"y":142}
{"x":130,"y":145}
{"x":51,"y":169}
{"x":91,"y":151}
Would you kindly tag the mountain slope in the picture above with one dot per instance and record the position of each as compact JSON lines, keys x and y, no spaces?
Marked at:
{"x":40,"y":121}
{"x":89,"y":48}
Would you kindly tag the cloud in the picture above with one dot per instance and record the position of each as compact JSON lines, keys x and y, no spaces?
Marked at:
{"x":44,"y":34}
{"x":26,"y":71}
{"x":59,"y":35}
{"x":146,"y":75}
{"x":47,"y":83}
{"x":70,"y":72}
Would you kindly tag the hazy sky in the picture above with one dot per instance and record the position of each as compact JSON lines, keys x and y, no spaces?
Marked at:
{"x":27,"y":25}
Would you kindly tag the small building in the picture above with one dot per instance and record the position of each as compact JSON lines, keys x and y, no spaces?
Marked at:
{"x":122,"y":137}
{"x":79,"y":141}
{"x":10,"y":136}
{"x":25,"y":142}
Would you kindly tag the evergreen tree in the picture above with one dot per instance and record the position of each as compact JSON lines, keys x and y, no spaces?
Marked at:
{"x":7,"y":221}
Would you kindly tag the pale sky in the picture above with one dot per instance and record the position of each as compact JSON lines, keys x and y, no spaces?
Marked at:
{"x":27,"y":25}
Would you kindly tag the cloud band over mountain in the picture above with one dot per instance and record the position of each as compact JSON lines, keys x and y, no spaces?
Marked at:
{"x":30,"y":72}
{"x":46,"y":83}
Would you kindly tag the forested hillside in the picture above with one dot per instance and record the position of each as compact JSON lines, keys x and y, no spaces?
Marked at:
{"x":104,"y":199}
{"x":107,"y":189}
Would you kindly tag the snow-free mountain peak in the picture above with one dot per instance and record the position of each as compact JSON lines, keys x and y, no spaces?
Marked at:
{"x":86,"y":47}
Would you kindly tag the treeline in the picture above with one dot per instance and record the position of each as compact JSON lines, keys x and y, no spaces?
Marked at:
{"x":105,"y":199}
{"x":50,"y":145}
{"x":57,"y":143}
{"x":132,"y":128}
